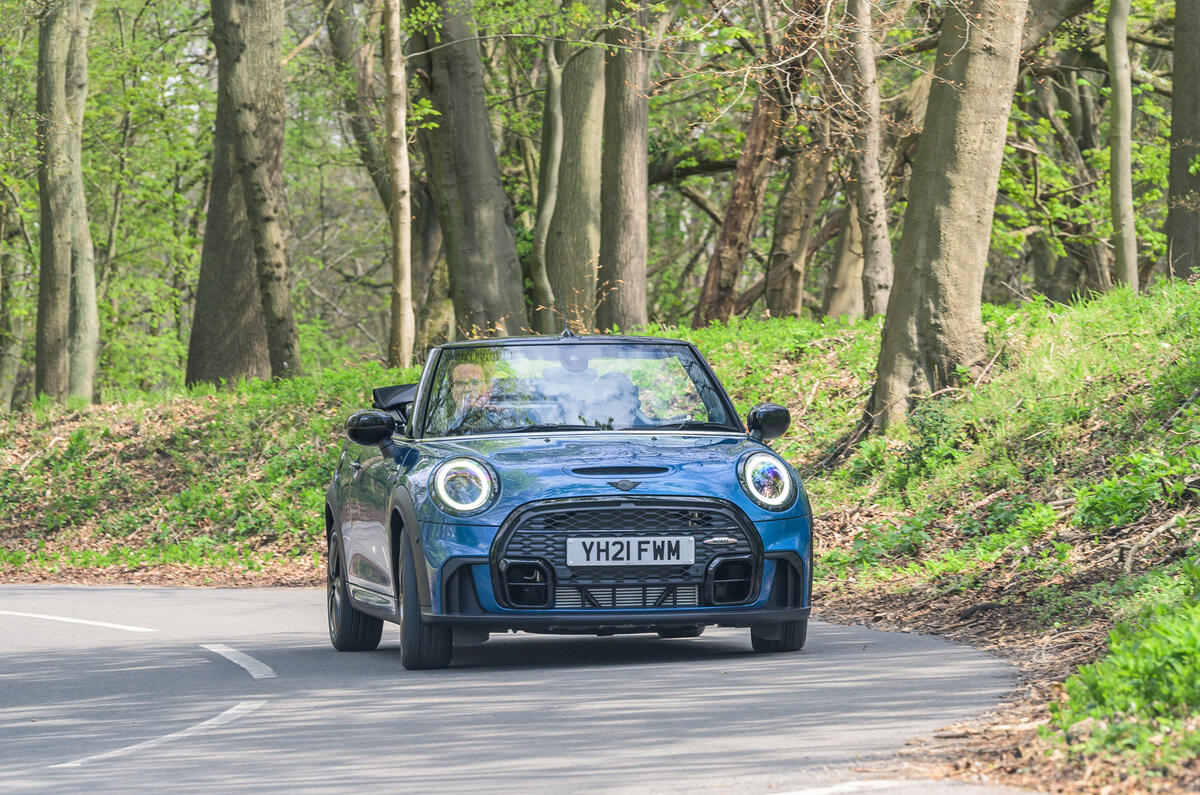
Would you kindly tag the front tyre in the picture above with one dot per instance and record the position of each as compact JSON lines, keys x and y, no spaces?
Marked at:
{"x":350,"y":629}
{"x":422,"y":645}
{"x":785,"y":636}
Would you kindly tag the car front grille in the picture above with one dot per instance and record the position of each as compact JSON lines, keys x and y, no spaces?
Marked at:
{"x":538,"y":532}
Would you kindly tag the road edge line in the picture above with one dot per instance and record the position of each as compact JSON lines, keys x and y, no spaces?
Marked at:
{"x":229,"y":715}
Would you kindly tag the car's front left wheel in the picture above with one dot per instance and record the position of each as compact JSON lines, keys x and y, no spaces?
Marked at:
{"x":422,"y":645}
{"x":350,"y":629}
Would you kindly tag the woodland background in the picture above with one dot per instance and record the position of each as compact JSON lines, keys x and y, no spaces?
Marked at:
{"x":194,"y":192}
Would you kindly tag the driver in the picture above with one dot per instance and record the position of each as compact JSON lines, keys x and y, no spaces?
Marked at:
{"x":471,"y":406}
{"x":469,"y":387}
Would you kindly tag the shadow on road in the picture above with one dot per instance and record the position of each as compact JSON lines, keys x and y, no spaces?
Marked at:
{"x":518,"y":713}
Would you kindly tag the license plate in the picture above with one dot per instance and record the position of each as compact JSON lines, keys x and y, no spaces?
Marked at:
{"x":631,"y":551}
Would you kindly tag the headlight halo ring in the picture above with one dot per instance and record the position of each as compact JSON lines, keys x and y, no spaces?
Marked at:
{"x":467,"y":468}
{"x":746,"y":471}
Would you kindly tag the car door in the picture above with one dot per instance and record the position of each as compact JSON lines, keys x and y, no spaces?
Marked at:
{"x":346,"y":485}
{"x":367,"y":548}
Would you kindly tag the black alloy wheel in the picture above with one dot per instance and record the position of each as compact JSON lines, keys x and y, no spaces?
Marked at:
{"x":350,"y":629}
{"x":791,"y":637}
{"x":422,"y":645}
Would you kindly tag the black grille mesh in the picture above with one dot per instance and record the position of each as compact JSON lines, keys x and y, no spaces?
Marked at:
{"x":541,"y":532}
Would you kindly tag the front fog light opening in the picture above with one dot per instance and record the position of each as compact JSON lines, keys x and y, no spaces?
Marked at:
{"x":527,"y":583}
{"x":463,"y":485}
{"x":766,"y":479}
{"x":730,"y":580}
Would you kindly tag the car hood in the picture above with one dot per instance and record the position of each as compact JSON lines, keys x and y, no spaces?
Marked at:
{"x":604,"y":464}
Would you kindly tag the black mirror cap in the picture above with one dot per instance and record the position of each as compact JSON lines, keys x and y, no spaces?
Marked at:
{"x":369,"y":428}
{"x":768,"y":421}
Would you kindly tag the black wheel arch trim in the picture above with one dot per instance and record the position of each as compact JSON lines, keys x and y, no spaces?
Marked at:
{"x":402,"y":505}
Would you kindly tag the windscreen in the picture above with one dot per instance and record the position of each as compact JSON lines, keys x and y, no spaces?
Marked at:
{"x":572,"y":386}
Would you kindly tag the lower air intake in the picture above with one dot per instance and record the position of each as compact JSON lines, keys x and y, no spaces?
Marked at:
{"x":625,"y":597}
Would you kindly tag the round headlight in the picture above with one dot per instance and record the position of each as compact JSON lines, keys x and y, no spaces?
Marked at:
{"x":767,"y":480}
{"x":463,"y":485}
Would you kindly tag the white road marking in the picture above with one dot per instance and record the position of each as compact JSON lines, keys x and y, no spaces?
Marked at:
{"x":231,"y":714}
{"x":851,"y":786}
{"x":125,"y":627}
{"x":258,"y":670}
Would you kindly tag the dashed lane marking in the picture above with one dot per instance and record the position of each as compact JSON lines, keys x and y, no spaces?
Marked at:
{"x":259,"y":670}
{"x":105,"y":624}
{"x":229,"y":715}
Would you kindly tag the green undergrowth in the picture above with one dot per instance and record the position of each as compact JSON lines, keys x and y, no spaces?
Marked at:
{"x":232,"y":477}
{"x":1029,"y":492}
{"x":1143,"y":698}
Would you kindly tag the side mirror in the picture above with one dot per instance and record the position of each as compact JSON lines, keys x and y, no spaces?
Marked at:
{"x":768,"y":421}
{"x":369,"y":428}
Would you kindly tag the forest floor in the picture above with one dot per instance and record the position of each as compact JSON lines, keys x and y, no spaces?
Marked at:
{"x":1028,"y":513}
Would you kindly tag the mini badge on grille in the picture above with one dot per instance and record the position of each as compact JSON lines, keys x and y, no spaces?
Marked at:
{"x":719,"y":540}
{"x":624,"y":485}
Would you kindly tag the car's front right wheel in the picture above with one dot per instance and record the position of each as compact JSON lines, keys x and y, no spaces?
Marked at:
{"x":784,"y":636}
{"x":422,"y":645}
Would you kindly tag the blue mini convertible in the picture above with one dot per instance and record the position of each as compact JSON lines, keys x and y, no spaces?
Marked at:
{"x":594,"y":485}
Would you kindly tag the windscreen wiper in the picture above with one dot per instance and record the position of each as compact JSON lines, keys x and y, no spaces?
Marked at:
{"x":690,"y":425}
{"x":548,"y":426}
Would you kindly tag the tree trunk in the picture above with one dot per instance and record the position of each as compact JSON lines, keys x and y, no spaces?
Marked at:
{"x":229,"y":336}
{"x":624,"y":210}
{"x":1183,"y":214}
{"x":12,"y":325}
{"x":795,"y":217}
{"x":844,"y":289}
{"x":54,"y":191}
{"x":718,"y":295}
{"x":573,"y":245}
{"x":403,"y":329}
{"x":1119,"y":142}
{"x":481,"y":251}
{"x":84,"y":323}
{"x":249,"y":41}
{"x":543,"y":317}
{"x":933,"y":326}
{"x":868,"y":187}
{"x":346,"y":46}
{"x":426,"y":251}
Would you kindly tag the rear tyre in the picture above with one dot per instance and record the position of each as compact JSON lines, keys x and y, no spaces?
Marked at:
{"x":422,"y":645}
{"x":693,"y":631}
{"x":791,"y":637}
{"x":350,"y":629}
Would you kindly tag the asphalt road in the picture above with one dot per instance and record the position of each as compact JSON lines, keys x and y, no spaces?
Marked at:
{"x":240,"y":689}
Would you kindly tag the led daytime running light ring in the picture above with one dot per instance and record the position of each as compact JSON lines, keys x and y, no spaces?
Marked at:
{"x":442,"y":476}
{"x":776,"y":502}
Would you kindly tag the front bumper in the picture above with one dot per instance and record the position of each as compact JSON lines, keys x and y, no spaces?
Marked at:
{"x":467,"y":590}
{"x":467,"y":601}
{"x":622,"y":621}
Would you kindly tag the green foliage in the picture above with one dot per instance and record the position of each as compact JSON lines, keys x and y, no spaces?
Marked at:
{"x":1144,"y":480}
{"x":217,"y":478}
{"x":1142,"y":699}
